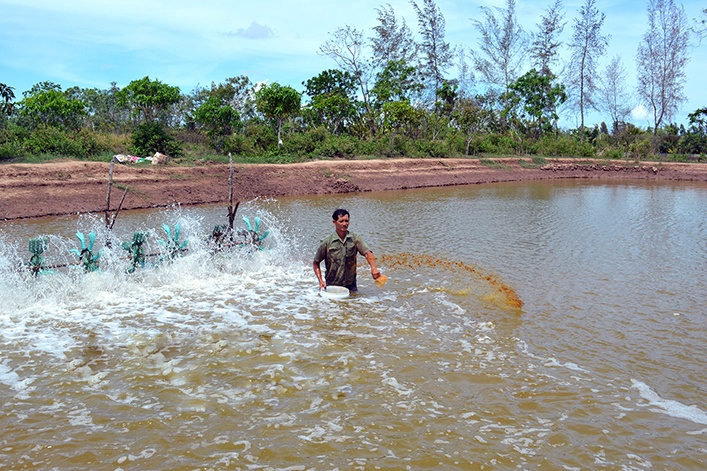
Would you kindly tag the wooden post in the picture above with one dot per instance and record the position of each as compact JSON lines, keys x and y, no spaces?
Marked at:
{"x":120,"y":205}
{"x":231,"y":209}
{"x":110,"y":219}
{"x":110,"y":186}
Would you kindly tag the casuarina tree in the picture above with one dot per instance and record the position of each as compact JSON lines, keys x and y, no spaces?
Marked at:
{"x":662,"y":57}
{"x":545,"y":45}
{"x":436,"y":53}
{"x":502,"y":46}
{"x":587,"y":46}
{"x":392,"y":40}
{"x":614,"y":96}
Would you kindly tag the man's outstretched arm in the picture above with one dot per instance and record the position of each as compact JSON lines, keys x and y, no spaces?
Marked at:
{"x":371,"y":259}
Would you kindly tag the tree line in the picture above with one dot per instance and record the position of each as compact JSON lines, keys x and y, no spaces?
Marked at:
{"x":395,"y":93}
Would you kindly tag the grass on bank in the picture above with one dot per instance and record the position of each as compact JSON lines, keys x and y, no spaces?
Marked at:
{"x":191,"y":148}
{"x":491,"y":161}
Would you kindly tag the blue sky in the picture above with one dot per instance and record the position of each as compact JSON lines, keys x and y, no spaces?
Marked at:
{"x":91,"y":43}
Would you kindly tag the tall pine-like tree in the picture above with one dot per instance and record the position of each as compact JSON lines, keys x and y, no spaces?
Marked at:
{"x":502,"y":46}
{"x":661,"y":58}
{"x":587,"y":46}
{"x":545,"y":44}
{"x":392,"y":39}
{"x":437,"y":54}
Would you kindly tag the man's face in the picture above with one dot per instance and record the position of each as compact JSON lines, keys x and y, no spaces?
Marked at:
{"x":342,"y":224}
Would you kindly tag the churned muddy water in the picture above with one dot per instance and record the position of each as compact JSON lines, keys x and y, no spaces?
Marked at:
{"x":524,"y":326}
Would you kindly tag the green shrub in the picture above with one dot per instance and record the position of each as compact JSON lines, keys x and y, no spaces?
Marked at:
{"x":564,"y":146}
{"x":11,"y":150}
{"x":52,"y":140}
{"x":693,"y":143}
{"x":11,"y":138}
{"x":498,"y":144}
{"x":237,"y":144}
{"x":456,"y":144}
{"x":641,"y":148}
{"x":148,"y":138}
{"x":338,"y":146}
{"x":262,"y":137}
{"x":369,"y":148}
{"x":318,"y":134}
{"x":436,"y":148}
{"x":395,"y":145}
{"x":613,"y":154}
{"x":305,"y":143}
{"x":475,"y":145}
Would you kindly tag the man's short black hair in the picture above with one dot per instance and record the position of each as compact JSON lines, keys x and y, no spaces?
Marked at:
{"x":338,"y":213}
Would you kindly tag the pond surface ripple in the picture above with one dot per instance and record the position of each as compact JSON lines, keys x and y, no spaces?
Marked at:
{"x":524,"y":326}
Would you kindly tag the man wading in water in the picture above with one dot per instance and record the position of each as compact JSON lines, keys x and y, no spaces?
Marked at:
{"x":339,"y":252}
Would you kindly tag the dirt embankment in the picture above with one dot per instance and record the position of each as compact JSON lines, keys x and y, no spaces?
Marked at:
{"x":58,"y":188}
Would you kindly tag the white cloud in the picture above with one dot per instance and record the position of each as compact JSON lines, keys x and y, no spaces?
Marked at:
{"x":254,"y":31}
{"x":639,"y":113}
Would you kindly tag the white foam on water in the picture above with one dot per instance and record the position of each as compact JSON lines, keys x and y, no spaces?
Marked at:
{"x":10,"y":378}
{"x":569,"y":365}
{"x":668,"y":406}
{"x":59,"y":314}
{"x":399,"y":388}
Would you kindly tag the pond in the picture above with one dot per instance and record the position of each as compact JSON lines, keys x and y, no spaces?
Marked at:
{"x":542,"y":325}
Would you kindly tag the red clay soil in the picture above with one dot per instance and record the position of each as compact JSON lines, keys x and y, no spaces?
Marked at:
{"x":60,"y":188}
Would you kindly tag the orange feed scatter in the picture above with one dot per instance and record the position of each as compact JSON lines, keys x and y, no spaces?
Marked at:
{"x":414,"y":261}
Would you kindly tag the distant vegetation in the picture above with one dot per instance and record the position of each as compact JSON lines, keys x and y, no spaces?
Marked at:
{"x":392,"y":94}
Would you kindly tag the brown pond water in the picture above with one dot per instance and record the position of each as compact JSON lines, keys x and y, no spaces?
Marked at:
{"x":524,"y":326}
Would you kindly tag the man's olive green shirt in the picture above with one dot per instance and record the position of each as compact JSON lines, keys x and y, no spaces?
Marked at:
{"x":340,"y":258}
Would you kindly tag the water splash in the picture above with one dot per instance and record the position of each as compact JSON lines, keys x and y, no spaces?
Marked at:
{"x":502,"y":293}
